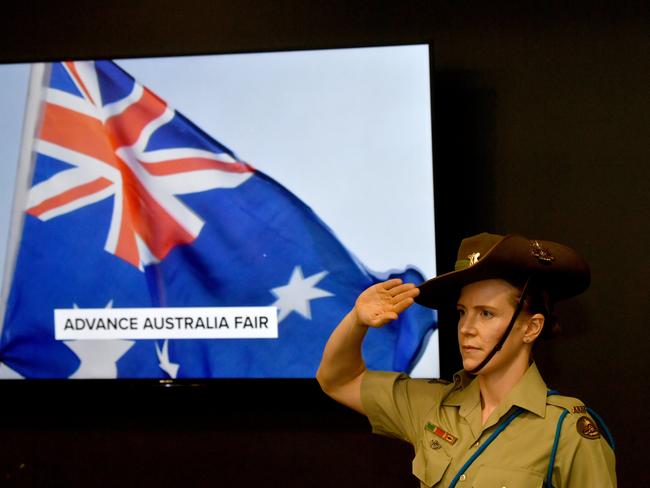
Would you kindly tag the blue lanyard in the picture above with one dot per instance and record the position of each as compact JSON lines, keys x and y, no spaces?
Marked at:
{"x":556,"y":441}
{"x":489,"y":440}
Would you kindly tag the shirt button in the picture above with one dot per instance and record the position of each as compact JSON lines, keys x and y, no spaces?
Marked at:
{"x":462,"y":477}
{"x":476,"y":444}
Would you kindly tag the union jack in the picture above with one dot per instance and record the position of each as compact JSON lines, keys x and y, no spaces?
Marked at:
{"x":108,"y":144}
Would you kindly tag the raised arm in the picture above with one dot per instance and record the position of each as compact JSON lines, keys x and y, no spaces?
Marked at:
{"x":342,"y":367}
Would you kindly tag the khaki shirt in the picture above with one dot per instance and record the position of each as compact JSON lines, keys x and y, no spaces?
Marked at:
{"x":443,"y":423}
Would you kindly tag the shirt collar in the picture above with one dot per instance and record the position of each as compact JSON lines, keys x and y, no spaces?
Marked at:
{"x":529,"y":393}
{"x":466,"y":395}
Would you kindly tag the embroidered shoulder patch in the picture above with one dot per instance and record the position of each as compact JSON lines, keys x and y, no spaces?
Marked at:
{"x":587,"y":428}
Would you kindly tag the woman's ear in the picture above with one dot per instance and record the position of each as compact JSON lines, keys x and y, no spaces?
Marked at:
{"x":534,"y":327}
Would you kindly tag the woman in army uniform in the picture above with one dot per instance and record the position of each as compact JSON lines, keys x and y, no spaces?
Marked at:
{"x":497,"y":424}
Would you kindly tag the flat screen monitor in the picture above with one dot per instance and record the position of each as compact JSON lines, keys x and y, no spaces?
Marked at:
{"x":212,"y":216}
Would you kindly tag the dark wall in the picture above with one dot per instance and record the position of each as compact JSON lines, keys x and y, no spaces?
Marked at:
{"x":542,"y":125}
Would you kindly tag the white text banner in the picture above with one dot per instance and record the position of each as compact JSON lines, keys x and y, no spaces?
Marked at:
{"x":166,"y":323}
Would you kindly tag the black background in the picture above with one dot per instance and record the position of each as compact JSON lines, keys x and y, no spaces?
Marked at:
{"x":542,"y":125}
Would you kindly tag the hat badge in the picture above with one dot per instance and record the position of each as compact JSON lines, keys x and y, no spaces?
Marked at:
{"x":473,"y":258}
{"x":543,"y":254}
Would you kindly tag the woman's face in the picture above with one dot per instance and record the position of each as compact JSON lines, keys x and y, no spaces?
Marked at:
{"x":485,"y":309}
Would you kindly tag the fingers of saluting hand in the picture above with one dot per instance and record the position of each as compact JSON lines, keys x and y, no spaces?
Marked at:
{"x":389,"y":284}
{"x":383,"y":302}
{"x":405,"y":299}
{"x":406,"y":289}
{"x":396,"y":288}
{"x":402,"y":294}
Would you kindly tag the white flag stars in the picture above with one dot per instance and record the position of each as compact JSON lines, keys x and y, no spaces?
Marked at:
{"x":165,"y":364}
{"x":98,"y":359}
{"x":296,"y":295}
{"x":6,"y":373}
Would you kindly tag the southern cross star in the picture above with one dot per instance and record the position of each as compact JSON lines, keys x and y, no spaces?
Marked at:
{"x":98,"y":358}
{"x":296,"y":295}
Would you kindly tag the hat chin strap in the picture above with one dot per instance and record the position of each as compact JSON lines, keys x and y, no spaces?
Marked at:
{"x":505,"y":335}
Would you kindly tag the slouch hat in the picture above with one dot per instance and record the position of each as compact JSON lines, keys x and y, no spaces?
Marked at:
{"x":556,"y":268}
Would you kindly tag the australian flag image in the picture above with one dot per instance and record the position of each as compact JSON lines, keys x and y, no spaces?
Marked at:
{"x":130,"y":204}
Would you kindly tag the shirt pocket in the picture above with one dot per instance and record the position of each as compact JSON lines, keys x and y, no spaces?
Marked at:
{"x":497,"y":477}
{"x":429,"y":466}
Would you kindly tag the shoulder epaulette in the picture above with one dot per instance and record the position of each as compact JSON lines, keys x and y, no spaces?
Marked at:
{"x":439,"y":381}
{"x":583,"y":420}
{"x":573,"y":405}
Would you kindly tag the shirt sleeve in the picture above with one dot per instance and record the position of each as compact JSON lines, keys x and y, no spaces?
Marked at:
{"x":584,"y":461}
{"x":392,"y":403}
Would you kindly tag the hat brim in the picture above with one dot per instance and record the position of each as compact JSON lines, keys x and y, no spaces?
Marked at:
{"x":511,"y":259}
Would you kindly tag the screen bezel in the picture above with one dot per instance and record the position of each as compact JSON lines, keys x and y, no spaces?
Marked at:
{"x":170,"y":388}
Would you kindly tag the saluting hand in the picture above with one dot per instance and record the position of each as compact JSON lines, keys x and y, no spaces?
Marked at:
{"x":383,"y":302}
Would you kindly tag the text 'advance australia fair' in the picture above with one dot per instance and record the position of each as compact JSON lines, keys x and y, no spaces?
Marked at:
{"x":166,"y":323}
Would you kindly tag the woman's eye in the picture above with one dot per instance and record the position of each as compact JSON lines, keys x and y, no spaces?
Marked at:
{"x":487,"y":314}
{"x":460,"y":312}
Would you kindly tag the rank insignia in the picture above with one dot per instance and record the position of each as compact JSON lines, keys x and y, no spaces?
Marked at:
{"x":579,"y":409}
{"x":587,"y":429}
{"x":473,"y":258}
{"x":542,"y":254}
{"x":440,"y":433}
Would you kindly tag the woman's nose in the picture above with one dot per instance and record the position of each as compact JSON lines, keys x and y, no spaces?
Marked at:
{"x":466,"y":325}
